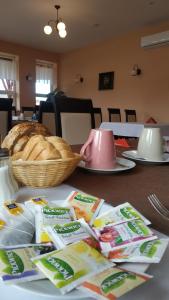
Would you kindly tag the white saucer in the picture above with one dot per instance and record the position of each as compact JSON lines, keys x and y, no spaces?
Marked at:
{"x":133,"y":154}
{"x":122,"y":165}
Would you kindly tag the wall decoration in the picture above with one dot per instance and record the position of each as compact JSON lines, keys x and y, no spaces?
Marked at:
{"x":106,"y":81}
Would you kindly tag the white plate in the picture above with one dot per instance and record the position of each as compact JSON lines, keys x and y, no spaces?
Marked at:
{"x":45,"y":288}
{"x":133,"y":154}
{"x":122,"y":165}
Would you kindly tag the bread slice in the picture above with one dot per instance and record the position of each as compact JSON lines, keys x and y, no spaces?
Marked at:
{"x":17,"y":155}
{"x":48,"y":153}
{"x":15,"y":134}
{"x":20,"y":144}
{"x":23,"y":129}
{"x":59,"y":143}
{"x":29,"y":148}
{"x":66,"y":154}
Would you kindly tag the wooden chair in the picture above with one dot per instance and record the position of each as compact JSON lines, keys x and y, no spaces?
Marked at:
{"x":13,"y":111}
{"x":5,"y":116}
{"x":74,"y":119}
{"x":46,"y":116}
{"x":114,"y":114}
{"x":97,"y":116}
{"x":28,"y":111}
{"x":130,"y":115}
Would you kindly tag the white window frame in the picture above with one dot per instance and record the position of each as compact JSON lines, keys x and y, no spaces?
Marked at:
{"x":15,"y":95}
{"x":53,"y":66}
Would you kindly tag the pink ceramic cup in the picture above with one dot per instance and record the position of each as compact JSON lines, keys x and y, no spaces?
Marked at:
{"x":99,"y":150}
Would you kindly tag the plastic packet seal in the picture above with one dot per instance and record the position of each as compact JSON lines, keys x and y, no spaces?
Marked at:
{"x":119,"y":214}
{"x":68,"y":233}
{"x":85,"y":205}
{"x":70,"y":266}
{"x":145,"y":252}
{"x":112,"y":283}
{"x":36,"y":203}
{"x":16,"y":210}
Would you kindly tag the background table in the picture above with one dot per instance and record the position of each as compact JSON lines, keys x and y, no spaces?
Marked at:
{"x":132,"y":129}
{"x":133,"y":186}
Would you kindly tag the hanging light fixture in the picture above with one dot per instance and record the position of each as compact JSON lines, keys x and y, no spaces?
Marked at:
{"x":57,"y":24}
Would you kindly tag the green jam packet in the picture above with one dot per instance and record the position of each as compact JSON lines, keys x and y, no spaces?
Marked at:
{"x":16,"y":265}
{"x":69,"y":267}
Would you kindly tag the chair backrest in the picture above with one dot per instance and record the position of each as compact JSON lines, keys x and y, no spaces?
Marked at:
{"x":130,"y":115}
{"x":5,"y":116}
{"x":114,"y":114}
{"x":46,"y":116}
{"x":74,"y":119}
{"x":97,"y":116}
{"x":28,"y":111}
{"x":13,"y":111}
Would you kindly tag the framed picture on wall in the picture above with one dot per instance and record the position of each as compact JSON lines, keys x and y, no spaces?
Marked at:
{"x":106,"y":81}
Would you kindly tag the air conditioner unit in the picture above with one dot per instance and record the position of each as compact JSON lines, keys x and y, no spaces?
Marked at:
{"x":157,"y":39}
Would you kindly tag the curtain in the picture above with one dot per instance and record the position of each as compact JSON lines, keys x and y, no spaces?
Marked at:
{"x":44,"y":73}
{"x":7,"y":69}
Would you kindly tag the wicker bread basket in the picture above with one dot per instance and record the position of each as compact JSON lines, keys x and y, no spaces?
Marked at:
{"x":46,"y":173}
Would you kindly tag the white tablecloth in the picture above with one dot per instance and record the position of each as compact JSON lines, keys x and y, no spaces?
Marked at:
{"x":157,"y":288}
{"x":132,"y":129}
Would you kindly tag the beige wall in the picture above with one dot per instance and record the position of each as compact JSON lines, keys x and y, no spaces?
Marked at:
{"x":147,"y":93}
{"x":27,"y":57}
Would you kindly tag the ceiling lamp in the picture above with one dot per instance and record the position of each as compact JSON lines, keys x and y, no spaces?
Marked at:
{"x":57,"y":24}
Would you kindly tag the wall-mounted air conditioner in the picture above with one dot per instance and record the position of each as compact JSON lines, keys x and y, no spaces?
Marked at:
{"x":157,"y":39}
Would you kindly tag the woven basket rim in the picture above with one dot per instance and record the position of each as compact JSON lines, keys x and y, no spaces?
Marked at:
{"x":46,"y":162}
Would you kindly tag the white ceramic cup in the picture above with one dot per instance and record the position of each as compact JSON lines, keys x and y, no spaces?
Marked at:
{"x":150,"y":145}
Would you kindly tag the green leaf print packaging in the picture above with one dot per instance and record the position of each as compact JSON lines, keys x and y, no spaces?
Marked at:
{"x":124,"y":234}
{"x":121,"y":213}
{"x":16,"y":265}
{"x":68,"y":233}
{"x":85,"y":206}
{"x":112,"y":283}
{"x":145,"y":252}
{"x":50,"y":216}
{"x":69,"y":267}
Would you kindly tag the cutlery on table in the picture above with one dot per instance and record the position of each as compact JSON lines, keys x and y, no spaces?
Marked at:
{"x":158,"y":206}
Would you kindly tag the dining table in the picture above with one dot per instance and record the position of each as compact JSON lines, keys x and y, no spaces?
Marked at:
{"x":133,"y":186}
{"x":133,"y":129}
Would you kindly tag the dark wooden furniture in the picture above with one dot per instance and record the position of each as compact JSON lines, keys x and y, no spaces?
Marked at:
{"x":97,"y":116}
{"x":5,"y":115}
{"x":69,"y":118}
{"x":28,"y":111}
{"x":46,"y":116}
{"x":114,"y":114}
{"x":130,"y":115}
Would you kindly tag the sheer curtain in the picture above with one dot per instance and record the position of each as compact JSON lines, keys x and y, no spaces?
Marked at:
{"x":44,"y":80}
{"x":8,"y":73}
{"x":44,"y":73}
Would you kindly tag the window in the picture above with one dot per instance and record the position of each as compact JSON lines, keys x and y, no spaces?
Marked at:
{"x":8,"y":77}
{"x":45,"y":80}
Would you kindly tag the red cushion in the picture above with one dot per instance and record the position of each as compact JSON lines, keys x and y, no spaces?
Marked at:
{"x":151,"y":120}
